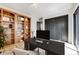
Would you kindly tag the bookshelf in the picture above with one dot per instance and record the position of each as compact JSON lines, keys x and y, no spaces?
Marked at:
{"x":17,"y":26}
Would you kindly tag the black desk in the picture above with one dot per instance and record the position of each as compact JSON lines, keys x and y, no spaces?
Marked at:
{"x":51,"y":47}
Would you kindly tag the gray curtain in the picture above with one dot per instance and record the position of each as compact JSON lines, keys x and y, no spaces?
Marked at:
{"x":58,"y":28}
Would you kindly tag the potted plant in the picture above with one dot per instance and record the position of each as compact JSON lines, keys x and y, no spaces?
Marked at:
{"x":2,"y":37}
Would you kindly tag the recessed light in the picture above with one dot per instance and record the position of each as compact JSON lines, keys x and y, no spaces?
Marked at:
{"x":22,"y":19}
{"x":34,"y":5}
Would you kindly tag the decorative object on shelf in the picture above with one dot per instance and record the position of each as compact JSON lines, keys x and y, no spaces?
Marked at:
{"x":10,"y":25}
{"x":6,"y":18}
{"x":2,"y":37}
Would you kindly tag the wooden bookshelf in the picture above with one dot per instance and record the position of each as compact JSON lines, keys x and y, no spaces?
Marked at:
{"x":17,"y":27}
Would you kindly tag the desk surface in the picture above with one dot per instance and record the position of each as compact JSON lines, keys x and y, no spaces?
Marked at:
{"x":48,"y":45}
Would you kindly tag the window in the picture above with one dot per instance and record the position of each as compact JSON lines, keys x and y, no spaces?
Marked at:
{"x":76,"y":27}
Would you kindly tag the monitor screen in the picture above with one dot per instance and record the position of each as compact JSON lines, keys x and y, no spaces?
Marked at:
{"x":45,"y":34}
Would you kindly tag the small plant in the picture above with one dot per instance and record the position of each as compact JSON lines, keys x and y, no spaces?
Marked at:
{"x":2,"y":37}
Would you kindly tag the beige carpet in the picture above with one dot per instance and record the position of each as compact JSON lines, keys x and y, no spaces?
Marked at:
{"x":7,"y":50}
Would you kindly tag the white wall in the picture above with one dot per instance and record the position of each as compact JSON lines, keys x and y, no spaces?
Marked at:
{"x":33,"y":26}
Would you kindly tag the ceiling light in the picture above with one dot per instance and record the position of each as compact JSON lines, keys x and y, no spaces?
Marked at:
{"x":34,"y":5}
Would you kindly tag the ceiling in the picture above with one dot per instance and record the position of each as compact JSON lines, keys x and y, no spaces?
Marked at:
{"x":38,"y":9}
